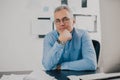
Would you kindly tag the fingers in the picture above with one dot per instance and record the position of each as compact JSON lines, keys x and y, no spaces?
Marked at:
{"x":58,"y":67}
{"x":65,"y":36}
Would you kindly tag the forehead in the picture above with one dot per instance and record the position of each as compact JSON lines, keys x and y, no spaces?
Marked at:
{"x":62,"y":13}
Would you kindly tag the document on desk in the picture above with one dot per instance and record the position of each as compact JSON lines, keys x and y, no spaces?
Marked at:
{"x":94,"y":76}
{"x":35,"y":75}
{"x":12,"y":77}
{"x":38,"y":75}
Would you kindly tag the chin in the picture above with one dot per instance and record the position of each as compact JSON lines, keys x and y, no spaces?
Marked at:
{"x":61,"y":30}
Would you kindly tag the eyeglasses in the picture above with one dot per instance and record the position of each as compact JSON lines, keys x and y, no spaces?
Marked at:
{"x":64,"y":20}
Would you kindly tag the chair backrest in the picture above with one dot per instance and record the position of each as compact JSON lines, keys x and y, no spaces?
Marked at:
{"x":96,"y":45}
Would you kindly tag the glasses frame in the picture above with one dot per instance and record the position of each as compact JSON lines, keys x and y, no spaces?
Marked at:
{"x":63,"y":20}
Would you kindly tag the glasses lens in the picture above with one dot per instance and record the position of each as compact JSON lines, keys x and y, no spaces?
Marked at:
{"x":64,"y":20}
{"x":57,"y":21}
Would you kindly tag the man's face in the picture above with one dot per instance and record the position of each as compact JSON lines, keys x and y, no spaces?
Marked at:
{"x":63,"y":20}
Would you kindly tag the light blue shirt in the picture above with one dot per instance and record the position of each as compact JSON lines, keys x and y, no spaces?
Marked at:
{"x":77,"y":54}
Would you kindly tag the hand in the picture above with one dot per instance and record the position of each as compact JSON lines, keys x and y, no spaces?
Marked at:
{"x":65,"y":36}
{"x":58,"y":67}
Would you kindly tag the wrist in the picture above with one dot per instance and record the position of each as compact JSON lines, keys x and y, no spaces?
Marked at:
{"x":60,"y":42}
{"x":58,"y":67}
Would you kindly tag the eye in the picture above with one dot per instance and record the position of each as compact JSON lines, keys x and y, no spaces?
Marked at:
{"x":65,"y":19}
{"x":57,"y":21}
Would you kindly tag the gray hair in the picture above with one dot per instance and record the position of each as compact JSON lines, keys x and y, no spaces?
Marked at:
{"x":59,"y":8}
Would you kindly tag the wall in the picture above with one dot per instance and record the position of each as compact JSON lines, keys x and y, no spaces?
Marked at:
{"x":110,"y":25}
{"x":19,"y":48}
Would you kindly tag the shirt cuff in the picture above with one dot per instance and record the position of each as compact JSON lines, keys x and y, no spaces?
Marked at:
{"x":59,"y":46}
{"x":64,"y":66}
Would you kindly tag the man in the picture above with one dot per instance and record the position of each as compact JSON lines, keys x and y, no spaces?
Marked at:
{"x":68,"y":48}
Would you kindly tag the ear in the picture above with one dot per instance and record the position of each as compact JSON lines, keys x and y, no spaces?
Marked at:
{"x":74,"y":21}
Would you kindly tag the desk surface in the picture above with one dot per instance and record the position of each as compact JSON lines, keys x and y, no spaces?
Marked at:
{"x":62,"y":75}
{"x":59,"y":75}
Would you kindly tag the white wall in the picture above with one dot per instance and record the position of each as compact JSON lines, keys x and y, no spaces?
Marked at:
{"x":110,"y":25}
{"x":19,"y":48}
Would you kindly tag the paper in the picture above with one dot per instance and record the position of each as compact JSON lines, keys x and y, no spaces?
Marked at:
{"x":41,"y":26}
{"x":73,"y":77}
{"x":94,"y":76}
{"x":38,"y":75}
{"x":12,"y":77}
{"x":35,"y":75}
{"x":86,"y":22}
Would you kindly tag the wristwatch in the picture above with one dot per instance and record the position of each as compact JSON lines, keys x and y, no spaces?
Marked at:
{"x":60,"y":42}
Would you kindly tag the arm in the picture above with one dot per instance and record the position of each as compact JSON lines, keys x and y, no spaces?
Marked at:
{"x":89,"y":57}
{"x":51,"y":53}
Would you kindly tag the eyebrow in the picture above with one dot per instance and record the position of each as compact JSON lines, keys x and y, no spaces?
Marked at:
{"x":62,"y":18}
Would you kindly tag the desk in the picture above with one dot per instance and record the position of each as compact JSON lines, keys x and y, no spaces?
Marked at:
{"x":14,"y":72}
{"x":62,"y":75}
{"x":59,"y":75}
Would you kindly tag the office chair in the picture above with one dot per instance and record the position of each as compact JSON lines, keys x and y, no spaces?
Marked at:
{"x":96,"y":45}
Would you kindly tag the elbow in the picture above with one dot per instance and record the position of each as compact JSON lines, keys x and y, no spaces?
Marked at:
{"x":93,"y":66}
{"x":46,"y":66}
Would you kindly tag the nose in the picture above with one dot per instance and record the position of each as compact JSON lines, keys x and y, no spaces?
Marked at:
{"x":61,"y":23}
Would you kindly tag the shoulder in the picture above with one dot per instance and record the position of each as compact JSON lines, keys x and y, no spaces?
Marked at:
{"x":83,"y":34}
{"x":80,"y":31}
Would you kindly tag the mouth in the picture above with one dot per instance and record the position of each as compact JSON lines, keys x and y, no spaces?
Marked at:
{"x":62,"y":29}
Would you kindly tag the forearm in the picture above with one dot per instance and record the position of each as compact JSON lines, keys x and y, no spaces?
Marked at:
{"x":80,"y":65}
{"x":52,"y":56}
